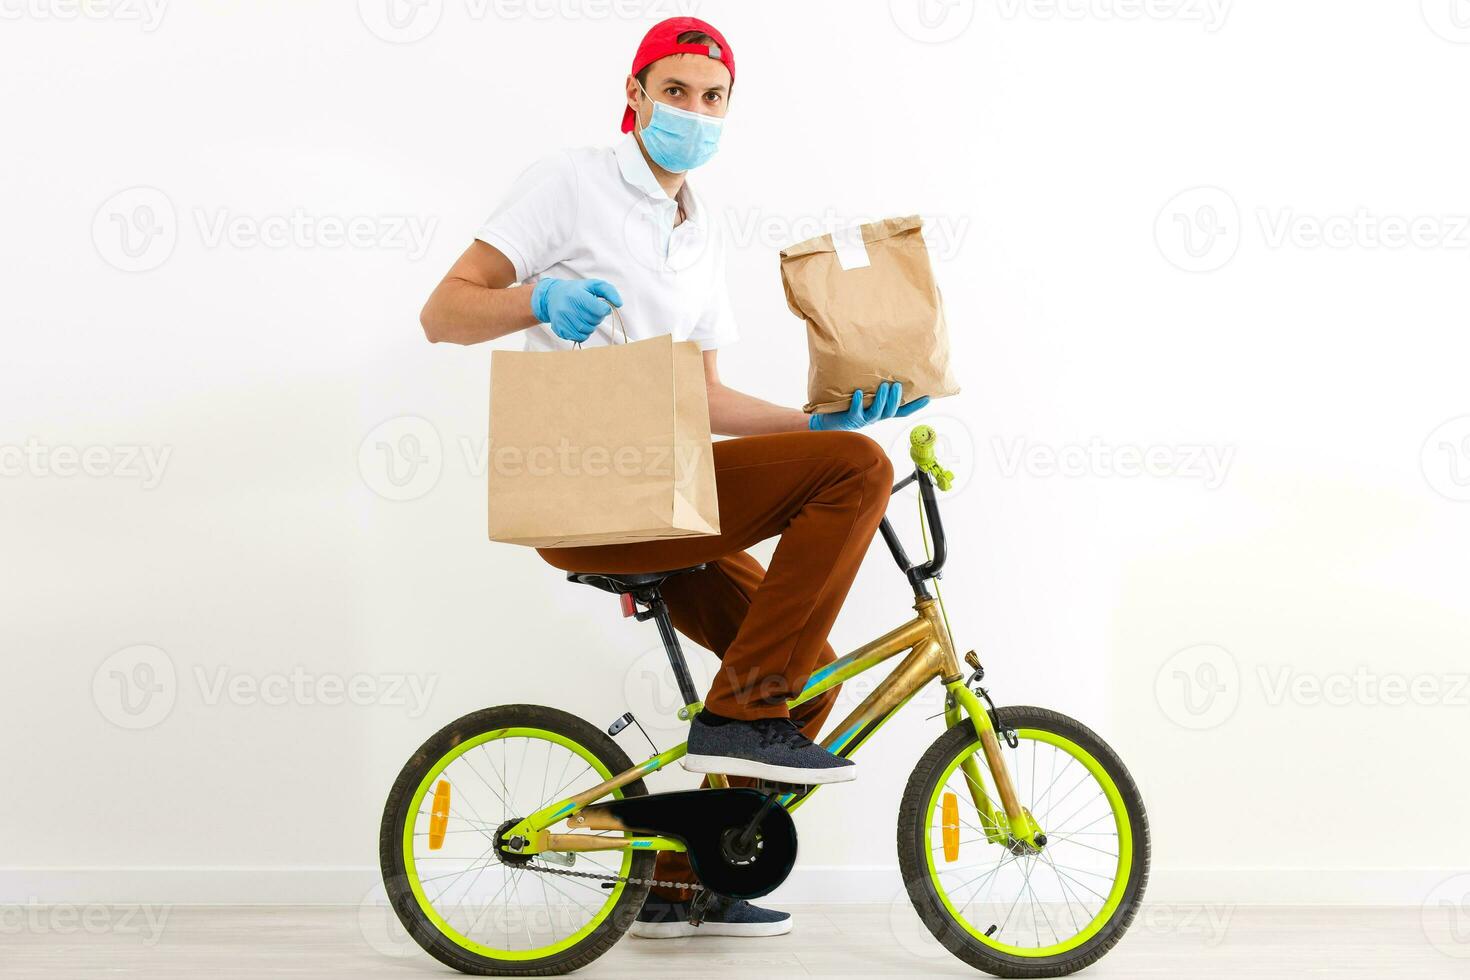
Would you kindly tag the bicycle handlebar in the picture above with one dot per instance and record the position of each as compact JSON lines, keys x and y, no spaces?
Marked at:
{"x":927,"y":473}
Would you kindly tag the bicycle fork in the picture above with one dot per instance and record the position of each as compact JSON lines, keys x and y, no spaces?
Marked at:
{"x":1012,"y":821}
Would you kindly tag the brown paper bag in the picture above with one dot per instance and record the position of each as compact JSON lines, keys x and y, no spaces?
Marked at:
{"x":872,"y":311}
{"x":601,"y":445}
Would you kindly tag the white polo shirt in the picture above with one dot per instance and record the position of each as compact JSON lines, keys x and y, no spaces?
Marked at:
{"x":598,"y":213}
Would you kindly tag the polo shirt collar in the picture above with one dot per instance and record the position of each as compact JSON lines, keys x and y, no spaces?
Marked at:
{"x":636,"y":172}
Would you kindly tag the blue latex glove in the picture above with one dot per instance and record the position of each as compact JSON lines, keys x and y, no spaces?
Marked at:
{"x":887,"y":404}
{"x":573,"y":307}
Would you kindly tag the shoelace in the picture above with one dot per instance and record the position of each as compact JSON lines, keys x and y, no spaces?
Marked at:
{"x":779,"y":731}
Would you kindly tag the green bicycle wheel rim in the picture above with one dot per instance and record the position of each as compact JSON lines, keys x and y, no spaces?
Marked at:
{"x":411,"y":871}
{"x":1125,"y":848}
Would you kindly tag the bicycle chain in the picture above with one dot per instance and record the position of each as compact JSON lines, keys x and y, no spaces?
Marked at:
{"x":548,"y":869}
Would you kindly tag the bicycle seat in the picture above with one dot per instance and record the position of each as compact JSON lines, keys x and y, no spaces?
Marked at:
{"x":621,"y":583}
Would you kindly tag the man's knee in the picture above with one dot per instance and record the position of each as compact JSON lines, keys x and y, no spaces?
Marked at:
{"x":862,"y":456}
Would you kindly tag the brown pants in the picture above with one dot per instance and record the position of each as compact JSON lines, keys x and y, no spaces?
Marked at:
{"x":824,"y":493}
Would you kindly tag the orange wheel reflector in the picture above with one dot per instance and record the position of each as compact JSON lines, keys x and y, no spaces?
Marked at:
{"x":439,"y":816}
{"x":950,"y":822}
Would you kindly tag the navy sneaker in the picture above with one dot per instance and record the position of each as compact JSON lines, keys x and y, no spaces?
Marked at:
{"x":772,"y":749}
{"x":663,"y":919}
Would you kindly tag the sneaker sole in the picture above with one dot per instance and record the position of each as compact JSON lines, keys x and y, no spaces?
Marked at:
{"x":731,"y":766}
{"x":678,"y":930}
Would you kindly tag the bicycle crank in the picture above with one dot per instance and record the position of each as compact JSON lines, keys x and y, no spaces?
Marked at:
{"x":739,"y":841}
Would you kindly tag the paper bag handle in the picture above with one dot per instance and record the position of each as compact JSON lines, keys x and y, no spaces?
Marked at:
{"x":618,"y":318}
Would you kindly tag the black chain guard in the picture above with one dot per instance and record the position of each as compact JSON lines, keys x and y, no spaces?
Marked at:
{"x":700,"y":818}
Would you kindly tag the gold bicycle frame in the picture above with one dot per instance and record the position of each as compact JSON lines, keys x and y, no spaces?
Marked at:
{"x":930,"y":656}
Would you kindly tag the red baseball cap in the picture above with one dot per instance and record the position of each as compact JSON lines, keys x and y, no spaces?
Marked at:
{"x":662,"y":40}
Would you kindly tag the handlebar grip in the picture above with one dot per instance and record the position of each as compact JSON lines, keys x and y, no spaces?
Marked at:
{"x":922,"y":440}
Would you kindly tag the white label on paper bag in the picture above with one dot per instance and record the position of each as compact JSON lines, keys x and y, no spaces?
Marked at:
{"x":851,"y":252}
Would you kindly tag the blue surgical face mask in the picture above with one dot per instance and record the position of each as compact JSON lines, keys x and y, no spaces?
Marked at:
{"x":679,"y":140}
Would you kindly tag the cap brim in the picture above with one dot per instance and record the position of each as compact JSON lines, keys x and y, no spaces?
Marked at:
{"x":627,"y":119}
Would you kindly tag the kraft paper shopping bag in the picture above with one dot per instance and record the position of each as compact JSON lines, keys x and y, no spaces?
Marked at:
{"x":600,"y":445}
{"x":873,"y":313}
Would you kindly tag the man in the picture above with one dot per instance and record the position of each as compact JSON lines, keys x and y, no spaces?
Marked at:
{"x":586,"y":230}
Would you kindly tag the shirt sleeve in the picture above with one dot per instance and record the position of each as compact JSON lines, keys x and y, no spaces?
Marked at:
{"x":716,"y":327}
{"x":533,"y":224}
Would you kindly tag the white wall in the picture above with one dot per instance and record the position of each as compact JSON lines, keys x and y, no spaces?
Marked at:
{"x":1055,"y":152}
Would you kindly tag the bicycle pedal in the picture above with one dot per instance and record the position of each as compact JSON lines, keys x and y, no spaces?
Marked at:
{"x":795,"y":789}
{"x":698,"y":906}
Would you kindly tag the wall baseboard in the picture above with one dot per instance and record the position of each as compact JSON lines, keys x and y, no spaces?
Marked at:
{"x":829,"y":884}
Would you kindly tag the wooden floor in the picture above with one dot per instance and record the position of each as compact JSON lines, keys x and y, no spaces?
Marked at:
{"x":223,"y":943}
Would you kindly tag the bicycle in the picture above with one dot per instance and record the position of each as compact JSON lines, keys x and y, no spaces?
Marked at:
{"x":1050,"y":881}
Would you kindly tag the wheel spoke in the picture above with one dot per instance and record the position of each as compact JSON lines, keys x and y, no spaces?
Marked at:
{"x":1002,"y":892}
